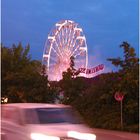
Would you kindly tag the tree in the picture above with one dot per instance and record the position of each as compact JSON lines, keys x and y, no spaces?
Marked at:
{"x":129,"y":60}
{"x":14,"y":60}
{"x":129,"y":82}
{"x":22,"y":80}
{"x":71,"y":85}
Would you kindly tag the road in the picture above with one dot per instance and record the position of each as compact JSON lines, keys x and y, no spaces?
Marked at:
{"x":102,"y":134}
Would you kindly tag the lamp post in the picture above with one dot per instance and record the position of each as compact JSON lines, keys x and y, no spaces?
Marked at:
{"x":119,"y":96}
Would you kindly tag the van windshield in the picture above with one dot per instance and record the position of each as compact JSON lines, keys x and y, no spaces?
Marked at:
{"x":52,"y":115}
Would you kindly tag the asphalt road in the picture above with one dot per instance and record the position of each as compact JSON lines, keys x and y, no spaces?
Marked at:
{"x":102,"y":134}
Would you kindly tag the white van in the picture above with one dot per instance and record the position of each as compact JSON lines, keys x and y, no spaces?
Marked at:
{"x":34,"y":121}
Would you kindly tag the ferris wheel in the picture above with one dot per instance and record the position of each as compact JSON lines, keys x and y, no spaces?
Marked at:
{"x":66,"y":39}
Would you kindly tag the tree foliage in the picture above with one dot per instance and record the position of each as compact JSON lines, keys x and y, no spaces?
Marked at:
{"x":129,"y":81}
{"x":71,"y":84}
{"x":129,"y":60}
{"x":22,"y":80}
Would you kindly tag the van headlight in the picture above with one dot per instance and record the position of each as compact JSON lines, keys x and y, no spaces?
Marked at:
{"x":39,"y":136}
{"x":81,"y":136}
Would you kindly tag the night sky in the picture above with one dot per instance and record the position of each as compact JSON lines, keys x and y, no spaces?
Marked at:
{"x":105,"y":23}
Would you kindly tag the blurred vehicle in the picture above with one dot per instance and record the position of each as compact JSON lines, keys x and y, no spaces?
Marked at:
{"x":33,"y":121}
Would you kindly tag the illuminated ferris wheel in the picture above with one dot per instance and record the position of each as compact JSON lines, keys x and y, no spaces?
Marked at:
{"x":66,"y":39}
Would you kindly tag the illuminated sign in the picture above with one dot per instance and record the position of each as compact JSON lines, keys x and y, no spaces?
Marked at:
{"x":92,"y":70}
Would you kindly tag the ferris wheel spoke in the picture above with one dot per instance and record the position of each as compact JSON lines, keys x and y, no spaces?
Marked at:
{"x":62,"y":36}
{"x":62,"y":41}
{"x":70,"y":49}
{"x":58,"y":47}
{"x":70,"y":39}
{"x":59,"y":43}
{"x":55,"y":52}
{"x":76,"y":48}
{"x":67,"y":33}
{"x":53,"y":59}
{"x":65,"y":37}
{"x":73,"y":42}
{"x":79,"y":37}
{"x":72,"y":34}
{"x":80,"y":52}
{"x":75,"y":37}
{"x":77,"y":55}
